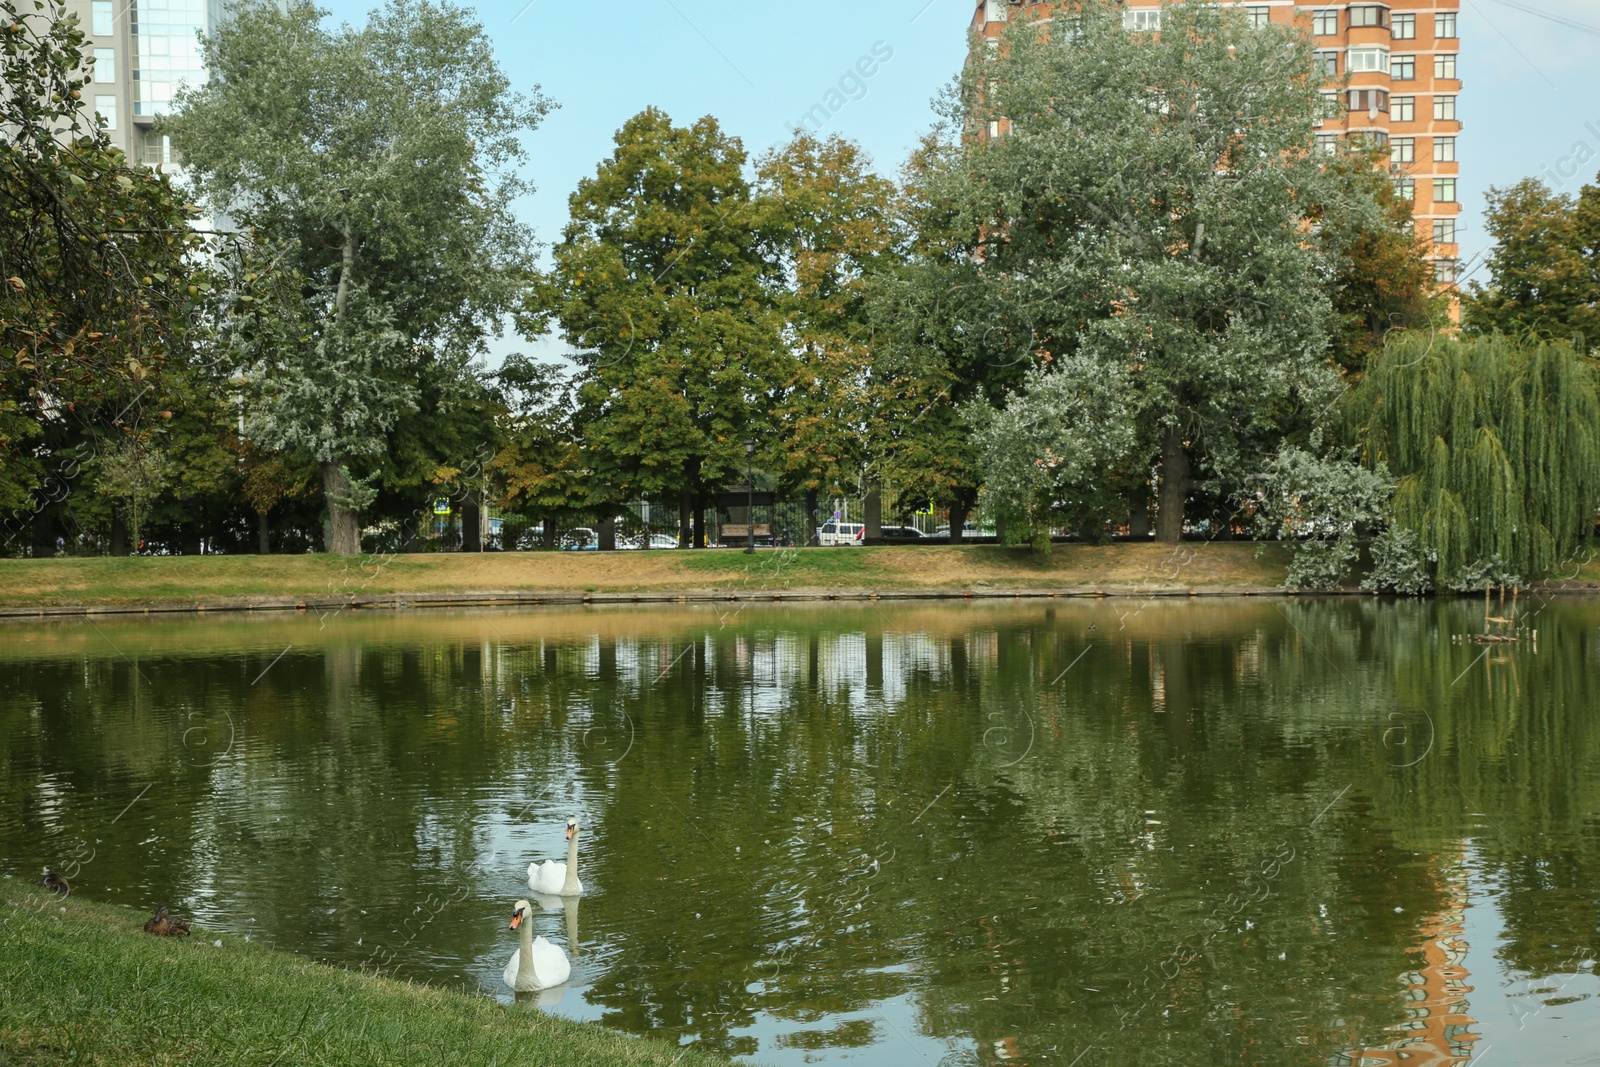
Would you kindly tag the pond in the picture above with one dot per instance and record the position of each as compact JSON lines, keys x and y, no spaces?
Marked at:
{"x":1038,"y":831}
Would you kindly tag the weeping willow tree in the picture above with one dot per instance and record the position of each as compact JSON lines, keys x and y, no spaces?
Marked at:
{"x":1496,"y":448}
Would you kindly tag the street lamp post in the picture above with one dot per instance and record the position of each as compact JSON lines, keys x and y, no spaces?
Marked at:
{"x":750,"y":496}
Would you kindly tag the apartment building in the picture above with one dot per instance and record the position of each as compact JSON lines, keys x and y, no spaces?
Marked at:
{"x":143,"y":50}
{"x":1392,"y":71}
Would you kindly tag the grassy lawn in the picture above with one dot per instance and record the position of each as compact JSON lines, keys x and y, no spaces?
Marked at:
{"x":195,"y":579}
{"x":88,"y":986}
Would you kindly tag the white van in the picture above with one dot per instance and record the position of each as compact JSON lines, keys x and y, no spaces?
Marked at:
{"x":841,"y":533}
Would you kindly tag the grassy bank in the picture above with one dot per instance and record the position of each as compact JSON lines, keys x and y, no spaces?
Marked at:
{"x":88,"y":986}
{"x":200,"y":579}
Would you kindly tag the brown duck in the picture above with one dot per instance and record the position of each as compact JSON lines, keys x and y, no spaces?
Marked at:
{"x":164,"y":926}
{"x":54,"y":882}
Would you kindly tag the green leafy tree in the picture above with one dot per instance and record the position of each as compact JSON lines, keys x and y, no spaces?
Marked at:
{"x":830,"y":220}
{"x":373,"y":163}
{"x":662,"y":286}
{"x":1142,"y":200}
{"x":95,"y":273}
{"x":1496,"y":448}
{"x":540,"y":467}
{"x":1544,"y":269}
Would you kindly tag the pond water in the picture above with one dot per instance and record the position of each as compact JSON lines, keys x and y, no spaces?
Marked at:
{"x":1051,"y":832}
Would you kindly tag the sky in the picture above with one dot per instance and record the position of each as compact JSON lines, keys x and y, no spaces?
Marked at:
{"x":1530,"y":103}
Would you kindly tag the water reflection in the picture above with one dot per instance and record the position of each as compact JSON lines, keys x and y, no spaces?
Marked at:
{"x":1213,"y":832}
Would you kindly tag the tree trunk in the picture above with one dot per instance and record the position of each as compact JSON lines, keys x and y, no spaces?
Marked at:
{"x":960,"y":508}
{"x":1174,"y":486}
{"x":873,"y":518}
{"x":263,"y":534}
{"x":1139,"y":514}
{"x":810,"y":537}
{"x":606,"y":532}
{"x":44,"y":533}
{"x":685,"y":525}
{"x":119,"y":534}
{"x":189,"y":541}
{"x":699,"y":520}
{"x":550,"y":531}
{"x":341,"y":530}
{"x":471,"y":526}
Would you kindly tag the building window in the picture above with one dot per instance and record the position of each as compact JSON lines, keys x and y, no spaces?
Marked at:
{"x":100,"y":16}
{"x":1444,"y":24}
{"x":1403,"y":109}
{"x":107,"y":107}
{"x":1403,"y":150}
{"x":1369,"y":100}
{"x":1370,"y":139}
{"x":1368,"y":15}
{"x":1444,"y":231}
{"x":1444,"y":65}
{"x":1444,"y":271}
{"x":1257,"y":16}
{"x":1367,"y":60}
{"x":1444,"y":108}
{"x":105,"y":64}
{"x":1327,"y":64}
{"x":1328,"y":143}
{"x":1444,"y":190}
{"x":994,"y":129}
{"x":1148,"y":18}
{"x":1325,"y":22}
{"x":1406,"y":188}
{"x":1404,"y":28}
{"x":1403,"y":68}
{"x":1444,"y":149}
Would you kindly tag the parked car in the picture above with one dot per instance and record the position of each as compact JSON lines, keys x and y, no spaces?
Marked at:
{"x":656,"y":541}
{"x":900,"y":533}
{"x":580,"y":539}
{"x":841,"y":533}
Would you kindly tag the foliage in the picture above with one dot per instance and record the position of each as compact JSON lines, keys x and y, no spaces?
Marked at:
{"x":829,"y":222}
{"x":1141,"y":201}
{"x":1544,"y":269}
{"x":1496,"y":448}
{"x":661,"y":284}
{"x":1322,"y":506}
{"x":539,"y":467}
{"x":94,"y":253}
{"x":1400,"y":564}
{"x":372,"y":165}
{"x":1384,"y":282}
{"x":1049,"y":452}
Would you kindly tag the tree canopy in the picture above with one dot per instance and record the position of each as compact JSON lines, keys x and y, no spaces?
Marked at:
{"x":1544,"y":268}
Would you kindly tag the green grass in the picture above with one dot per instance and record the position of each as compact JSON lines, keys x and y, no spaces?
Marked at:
{"x":88,"y":986}
{"x":794,"y":567}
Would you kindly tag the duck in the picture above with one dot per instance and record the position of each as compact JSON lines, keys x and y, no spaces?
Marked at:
{"x":54,"y":882}
{"x":537,"y":964}
{"x":558,"y":879}
{"x":164,"y":925}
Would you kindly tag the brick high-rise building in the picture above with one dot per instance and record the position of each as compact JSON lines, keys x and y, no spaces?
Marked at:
{"x":1393,"y":68}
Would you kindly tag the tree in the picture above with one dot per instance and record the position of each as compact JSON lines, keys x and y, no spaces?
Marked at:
{"x":1544,"y":269}
{"x":1384,"y":282}
{"x":372,"y":165}
{"x":1142,"y":201}
{"x":830,"y":222}
{"x":540,"y":465}
{"x":1496,"y":448}
{"x":661,"y":285}
{"x":95,"y":257}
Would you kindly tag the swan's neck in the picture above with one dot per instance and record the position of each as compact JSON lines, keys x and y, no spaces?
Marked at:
{"x":525,"y":953}
{"x":572,"y":863}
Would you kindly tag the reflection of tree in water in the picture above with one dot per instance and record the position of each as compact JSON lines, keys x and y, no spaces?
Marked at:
{"x":789,"y":823}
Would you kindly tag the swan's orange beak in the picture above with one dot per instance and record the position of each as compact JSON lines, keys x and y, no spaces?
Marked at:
{"x":570,"y":831}
{"x":516,"y":919}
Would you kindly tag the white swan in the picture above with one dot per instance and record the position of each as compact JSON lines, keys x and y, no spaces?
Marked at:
{"x":558,"y":879}
{"x":537,"y":964}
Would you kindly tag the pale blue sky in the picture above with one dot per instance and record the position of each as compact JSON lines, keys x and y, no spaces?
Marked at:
{"x":1531,"y":70}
